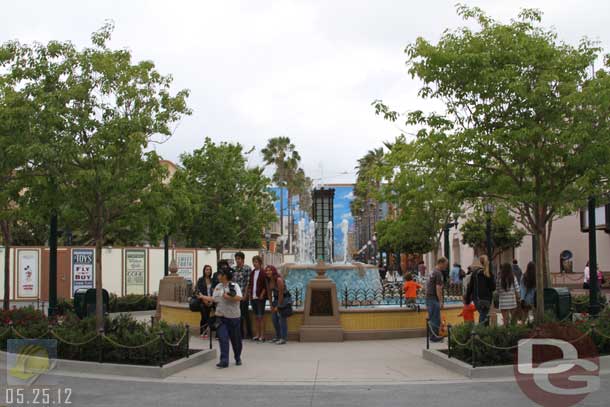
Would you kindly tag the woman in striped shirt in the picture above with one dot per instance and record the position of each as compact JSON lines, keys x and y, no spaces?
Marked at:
{"x":508,"y":293}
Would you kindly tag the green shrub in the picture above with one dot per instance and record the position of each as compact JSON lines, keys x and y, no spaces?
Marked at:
{"x":77,"y":339}
{"x":132,"y":302}
{"x":65,"y":306}
{"x":499,"y":337}
{"x":580,"y":302}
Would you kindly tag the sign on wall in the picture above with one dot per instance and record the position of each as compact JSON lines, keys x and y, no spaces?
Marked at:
{"x":135,"y":271}
{"x":83,"y":266}
{"x":27,"y":273}
{"x":186,"y":264}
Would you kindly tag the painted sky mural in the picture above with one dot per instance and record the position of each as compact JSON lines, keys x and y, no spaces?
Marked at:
{"x":344,"y":194}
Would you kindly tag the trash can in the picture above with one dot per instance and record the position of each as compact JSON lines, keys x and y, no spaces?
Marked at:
{"x":80,"y":307}
{"x":558,"y":301}
{"x":84,"y":302}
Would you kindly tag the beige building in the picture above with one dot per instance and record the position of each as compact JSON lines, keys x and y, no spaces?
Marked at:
{"x":566,"y":235}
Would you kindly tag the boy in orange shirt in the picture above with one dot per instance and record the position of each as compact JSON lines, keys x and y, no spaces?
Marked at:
{"x":410,"y":289}
{"x":468,"y":313}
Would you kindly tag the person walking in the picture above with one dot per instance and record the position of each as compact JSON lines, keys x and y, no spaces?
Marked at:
{"x":277,"y":291}
{"x":508,"y":294}
{"x":480,"y":288}
{"x":227,"y":296}
{"x":257,"y":294}
{"x":241,"y":277}
{"x":434,"y":298}
{"x":528,"y":291}
{"x":205,"y":287}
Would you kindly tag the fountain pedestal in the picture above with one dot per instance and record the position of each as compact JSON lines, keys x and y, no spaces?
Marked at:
{"x":321,"y":321}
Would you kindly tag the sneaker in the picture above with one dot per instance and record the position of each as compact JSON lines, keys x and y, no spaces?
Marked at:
{"x":255,"y":339}
{"x":238,"y":362}
{"x":222,"y":365}
{"x":281,"y":342}
{"x":274,"y":340}
{"x":203,"y":336}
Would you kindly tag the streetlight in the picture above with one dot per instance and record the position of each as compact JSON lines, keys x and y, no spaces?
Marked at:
{"x":594,"y":306}
{"x":489,"y":210}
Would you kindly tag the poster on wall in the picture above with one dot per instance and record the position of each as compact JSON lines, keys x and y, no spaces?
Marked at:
{"x":27,"y":273}
{"x":186,"y":264}
{"x":82,"y":268}
{"x":135,"y":271}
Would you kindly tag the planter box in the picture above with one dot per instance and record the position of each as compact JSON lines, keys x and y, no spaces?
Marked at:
{"x":115,"y":369}
{"x":486,"y":372}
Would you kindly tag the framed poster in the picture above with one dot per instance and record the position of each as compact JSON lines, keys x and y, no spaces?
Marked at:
{"x":186,"y":264}
{"x":136,"y":267}
{"x":28,"y":262}
{"x":83,"y":268}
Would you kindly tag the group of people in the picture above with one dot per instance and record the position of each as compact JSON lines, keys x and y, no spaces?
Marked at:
{"x":514,"y":298}
{"x":226,"y":297}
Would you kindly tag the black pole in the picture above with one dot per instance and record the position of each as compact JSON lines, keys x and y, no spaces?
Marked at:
{"x":447,"y":251}
{"x":490,"y":252}
{"x":166,"y":255}
{"x":53,"y":265}
{"x":594,"y":307}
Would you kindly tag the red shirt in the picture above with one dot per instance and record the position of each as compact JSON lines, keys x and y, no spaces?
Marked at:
{"x":411,"y":288}
{"x":468,"y":312}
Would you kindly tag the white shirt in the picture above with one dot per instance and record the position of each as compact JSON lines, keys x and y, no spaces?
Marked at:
{"x":226,"y":308}
{"x":586,"y":274}
{"x":256,"y":273}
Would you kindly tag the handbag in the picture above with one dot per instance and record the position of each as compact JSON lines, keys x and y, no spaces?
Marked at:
{"x":195,"y":304}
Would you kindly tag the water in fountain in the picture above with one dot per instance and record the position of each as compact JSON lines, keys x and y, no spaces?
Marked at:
{"x":345,"y":231}
{"x":305,"y":242}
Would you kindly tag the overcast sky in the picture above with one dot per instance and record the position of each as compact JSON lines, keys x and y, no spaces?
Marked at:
{"x":304,"y":69}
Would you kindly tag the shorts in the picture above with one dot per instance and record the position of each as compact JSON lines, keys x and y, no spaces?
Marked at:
{"x":258,"y":306}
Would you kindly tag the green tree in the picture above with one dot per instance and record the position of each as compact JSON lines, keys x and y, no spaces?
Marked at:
{"x":281,"y":153}
{"x":506,"y":234}
{"x":96,"y":113}
{"x":228,"y":203}
{"x":525,"y":122}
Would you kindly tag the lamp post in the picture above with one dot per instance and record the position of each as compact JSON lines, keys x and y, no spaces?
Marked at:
{"x":166,"y":255}
{"x":369,"y":244}
{"x":375,"y":248}
{"x":594,"y":307}
{"x":489,"y":210}
{"x":268,"y":239}
{"x":448,"y":226}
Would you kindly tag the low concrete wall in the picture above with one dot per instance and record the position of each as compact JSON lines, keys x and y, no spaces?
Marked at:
{"x":358,"y":323}
{"x":486,"y":372}
{"x":114,"y":369}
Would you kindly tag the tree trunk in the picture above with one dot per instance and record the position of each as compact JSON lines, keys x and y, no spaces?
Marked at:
{"x":99,"y":306}
{"x":6,"y":236}
{"x":542,"y":270}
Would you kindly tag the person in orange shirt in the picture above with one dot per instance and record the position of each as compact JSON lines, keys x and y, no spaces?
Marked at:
{"x":468,"y":313}
{"x":410,"y":289}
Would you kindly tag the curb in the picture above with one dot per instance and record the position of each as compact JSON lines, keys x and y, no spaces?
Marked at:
{"x":486,"y":372}
{"x":115,"y":369}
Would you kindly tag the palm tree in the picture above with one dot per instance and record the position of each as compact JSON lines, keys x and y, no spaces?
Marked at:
{"x":368,"y":183}
{"x":281,"y":153}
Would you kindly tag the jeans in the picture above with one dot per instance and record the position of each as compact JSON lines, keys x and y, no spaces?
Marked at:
{"x":229,"y":330}
{"x":205,"y":319}
{"x":434,"y":317}
{"x":483,"y":314}
{"x":280,"y":324}
{"x":246,"y":322}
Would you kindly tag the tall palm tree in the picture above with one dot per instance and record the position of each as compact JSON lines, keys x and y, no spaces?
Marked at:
{"x":281,"y":153}
{"x":368,"y":183}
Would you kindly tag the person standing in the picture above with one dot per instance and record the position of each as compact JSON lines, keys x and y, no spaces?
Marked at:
{"x":227,"y":296}
{"x":257,"y":294}
{"x":277,"y":291}
{"x":517,"y":270}
{"x":528,"y":290}
{"x":480,"y":288}
{"x":508,"y":294}
{"x":205,"y":287}
{"x":241,"y":277}
{"x":434,"y":297}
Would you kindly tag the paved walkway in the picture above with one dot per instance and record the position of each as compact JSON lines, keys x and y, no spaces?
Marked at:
{"x":352,"y":362}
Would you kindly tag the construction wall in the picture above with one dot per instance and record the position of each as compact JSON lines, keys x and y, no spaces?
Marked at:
{"x":125,"y":270}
